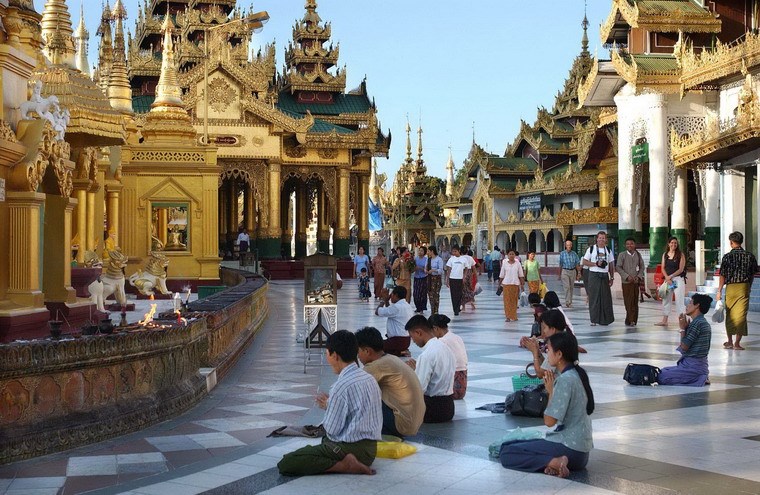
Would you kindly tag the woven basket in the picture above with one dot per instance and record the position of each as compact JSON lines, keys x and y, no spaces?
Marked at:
{"x":523,"y":380}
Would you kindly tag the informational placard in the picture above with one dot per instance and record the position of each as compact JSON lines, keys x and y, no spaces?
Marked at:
{"x":640,"y":153}
{"x":2,"y":189}
{"x":532,"y":202}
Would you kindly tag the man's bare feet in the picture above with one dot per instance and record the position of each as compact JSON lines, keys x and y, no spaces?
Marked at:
{"x":558,"y":467}
{"x":662,"y":323}
{"x":351,"y":465}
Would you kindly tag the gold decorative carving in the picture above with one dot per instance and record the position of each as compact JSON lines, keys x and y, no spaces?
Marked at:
{"x":295,"y":151}
{"x":327,"y":153}
{"x":722,"y":61}
{"x":6,"y":133}
{"x":220,"y":94}
{"x":587,"y":216}
{"x":153,"y":276}
{"x":252,"y":171}
{"x":167,"y":156}
{"x":666,"y":80}
{"x":326,"y":174}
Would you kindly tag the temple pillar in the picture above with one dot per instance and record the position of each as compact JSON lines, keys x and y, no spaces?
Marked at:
{"x":162,"y":229}
{"x":732,"y":205}
{"x":627,"y":202}
{"x":269,"y":243}
{"x":302,"y":224}
{"x":657,"y":134}
{"x":678,"y":217}
{"x":223,"y":209}
{"x":323,"y":222}
{"x":363,"y":205}
{"x":232,"y":210}
{"x":341,"y":239}
{"x":56,"y":250}
{"x":25,"y":253}
{"x":92,"y":242}
{"x":712,"y":216}
{"x":81,"y":227}
{"x":113,"y":193}
{"x":250,"y":211}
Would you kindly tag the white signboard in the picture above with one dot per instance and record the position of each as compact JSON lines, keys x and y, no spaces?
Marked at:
{"x":2,"y":189}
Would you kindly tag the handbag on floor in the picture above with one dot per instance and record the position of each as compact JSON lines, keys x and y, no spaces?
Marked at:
{"x":641,"y":374}
{"x":529,"y":401}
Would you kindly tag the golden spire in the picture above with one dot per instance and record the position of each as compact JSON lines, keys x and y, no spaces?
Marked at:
{"x":584,"y":40}
{"x":168,"y":121}
{"x":408,"y":143}
{"x":420,"y":161}
{"x":57,"y":33}
{"x":81,"y":38}
{"x":119,"y":90}
{"x":168,"y":92}
{"x":105,"y":49}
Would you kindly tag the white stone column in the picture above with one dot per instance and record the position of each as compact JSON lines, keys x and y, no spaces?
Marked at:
{"x":732,"y":206}
{"x":626,"y":207}
{"x":657,"y":135}
{"x":678,"y":218}
{"x":712,"y":215}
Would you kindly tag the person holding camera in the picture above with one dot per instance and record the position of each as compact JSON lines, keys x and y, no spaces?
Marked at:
{"x":551,"y":321}
{"x":601,"y":265}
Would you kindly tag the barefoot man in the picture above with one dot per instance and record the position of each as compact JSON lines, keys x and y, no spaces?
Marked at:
{"x":353,"y":419}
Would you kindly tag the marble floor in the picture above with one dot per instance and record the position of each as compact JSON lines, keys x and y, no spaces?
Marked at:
{"x":648,"y":440}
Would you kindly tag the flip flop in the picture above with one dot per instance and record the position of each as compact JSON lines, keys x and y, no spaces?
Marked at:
{"x":728,"y":345}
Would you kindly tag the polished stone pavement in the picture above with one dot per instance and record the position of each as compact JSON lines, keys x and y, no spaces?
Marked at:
{"x":647,"y":439}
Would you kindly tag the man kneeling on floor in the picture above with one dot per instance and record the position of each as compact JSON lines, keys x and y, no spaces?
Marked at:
{"x":692,"y":368}
{"x":435,"y":369}
{"x":353,"y":419}
{"x":403,"y":402}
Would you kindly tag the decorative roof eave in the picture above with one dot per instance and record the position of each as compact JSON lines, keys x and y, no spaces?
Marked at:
{"x":639,"y":16}
{"x":723,"y":62}
{"x":665,"y":81}
{"x":719,"y":141}
{"x":600,"y":86}
{"x":588,"y":216}
{"x":92,"y":120}
{"x":608,"y":116}
{"x":297,"y":126}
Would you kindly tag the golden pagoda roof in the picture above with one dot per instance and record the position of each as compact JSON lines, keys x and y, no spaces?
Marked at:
{"x":660,"y":71}
{"x":93,"y":122}
{"x":721,"y":64}
{"x":662,"y":16}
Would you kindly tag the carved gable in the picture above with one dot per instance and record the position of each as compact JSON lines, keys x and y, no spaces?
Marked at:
{"x":223,"y":97}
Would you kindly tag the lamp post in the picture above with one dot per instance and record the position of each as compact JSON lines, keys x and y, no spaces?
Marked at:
{"x":257,"y":21}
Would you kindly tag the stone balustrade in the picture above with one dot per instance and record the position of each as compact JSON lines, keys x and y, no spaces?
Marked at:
{"x":56,"y":395}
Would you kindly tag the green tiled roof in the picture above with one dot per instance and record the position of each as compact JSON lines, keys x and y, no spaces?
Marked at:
{"x":656,"y":63}
{"x":505,"y":184}
{"x":509,"y":163}
{"x":142,"y":103}
{"x":344,"y":103}
{"x":669,"y":7}
{"x":559,"y":170}
{"x":321,"y":126}
{"x":549,"y":141}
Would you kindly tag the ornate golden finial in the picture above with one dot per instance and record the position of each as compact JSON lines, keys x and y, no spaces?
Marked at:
{"x":408,"y":141}
{"x":57,"y":33}
{"x":450,"y":175}
{"x":119,"y":91}
{"x":81,"y":38}
{"x":105,"y":48}
{"x":168,"y":92}
{"x":584,"y":24}
{"x":420,"y":161}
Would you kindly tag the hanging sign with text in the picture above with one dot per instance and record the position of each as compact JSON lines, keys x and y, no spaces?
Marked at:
{"x":532,"y":202}
{"x":640,"y":153}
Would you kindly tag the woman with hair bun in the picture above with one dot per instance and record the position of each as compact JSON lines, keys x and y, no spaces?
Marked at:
{"x":571,"y":403}
{"x":440,"y":324}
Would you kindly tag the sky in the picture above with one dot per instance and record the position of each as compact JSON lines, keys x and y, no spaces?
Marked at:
{"x":453,"y":67}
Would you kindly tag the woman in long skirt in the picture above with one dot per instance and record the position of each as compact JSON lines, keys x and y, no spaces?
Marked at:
{"x":379,"y":265}
{"x":435,"y":277}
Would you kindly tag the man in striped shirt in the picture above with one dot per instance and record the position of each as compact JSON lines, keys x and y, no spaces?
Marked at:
{"x":737,"y":270}
{"x":353,"y":419}
{"x":691,"y":369}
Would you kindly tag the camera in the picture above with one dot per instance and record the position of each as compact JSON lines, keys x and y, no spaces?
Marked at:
{"x":535,"y":329}
{"x":601,"y":263}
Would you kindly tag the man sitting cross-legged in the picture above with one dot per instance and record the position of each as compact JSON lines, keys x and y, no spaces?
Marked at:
{"x":403,"y":402}
{"x":692,"y":369}
{"x":352,"y":422}
{"x":435,"y":369}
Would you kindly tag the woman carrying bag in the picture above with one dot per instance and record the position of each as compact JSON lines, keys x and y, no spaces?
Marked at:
{"x":674,"y":269}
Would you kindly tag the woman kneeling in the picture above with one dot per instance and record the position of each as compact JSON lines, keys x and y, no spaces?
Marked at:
{"x":571,"y":402}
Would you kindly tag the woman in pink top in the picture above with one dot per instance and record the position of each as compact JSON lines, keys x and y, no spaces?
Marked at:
{"x":512,"y":279}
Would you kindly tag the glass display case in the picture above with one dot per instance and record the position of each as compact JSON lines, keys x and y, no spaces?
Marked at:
{"x":320,"y":281}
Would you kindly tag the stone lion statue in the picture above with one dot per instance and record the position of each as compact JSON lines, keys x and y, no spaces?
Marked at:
{"x":153,"y":276}
{"x":111,"y":282}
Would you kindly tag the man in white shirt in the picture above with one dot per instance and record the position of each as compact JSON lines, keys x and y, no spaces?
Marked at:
{"x":454,"y":274}
{"x":601,"y":265}
{"x":398,"y":311}
{"x":243,"y":241}
{"x":435,"y":369}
